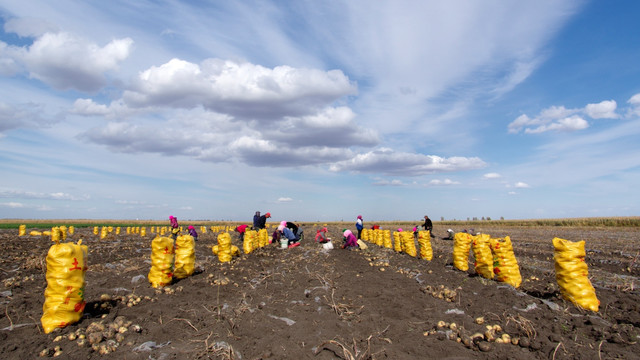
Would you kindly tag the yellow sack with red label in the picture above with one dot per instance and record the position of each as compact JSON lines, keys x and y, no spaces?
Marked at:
{"x":64,"y":296}
{"x":185,"y":256}
{"x":572,"y":274}
{"x":162,"y":258}
{"x":424,"y":240}
{"x":483,"y":256}
{"x":461,"y":247}
{"x":505,"y":265}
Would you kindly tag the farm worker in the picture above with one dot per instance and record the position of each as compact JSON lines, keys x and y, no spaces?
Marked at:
{"x":321,"y":235}
{"x":193,"y":232}
{"x":350,"y":241}
{"x":450,"y":235}
{"x":359,"y":225}
{"x":428,"y":225}
{"x":175,"y":228}
{"x":256,"y":219}
{"x":297,"y":231}
{"x":241,"y":229}
{"x":262,"y":222}
{"x":289,"y":235}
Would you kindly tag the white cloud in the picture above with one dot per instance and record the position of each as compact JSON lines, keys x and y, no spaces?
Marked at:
{"x":603,"y":110}
{"x":436,"y":182}
{"x":284,"y":199}
{"x":512,"y":193}
{"x":572,"y":123}
{"x":390,"y":162}
{"x":521,"y":185}
{"x":240,"y":89}
{"x":634,"y":101}
{"x":20,"y":194}
{"x":67,"y":61}
{"x":14,"y":205}
{"x":491,"y":176}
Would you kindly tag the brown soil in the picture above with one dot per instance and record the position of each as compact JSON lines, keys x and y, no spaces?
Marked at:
{"x":310,"y":303}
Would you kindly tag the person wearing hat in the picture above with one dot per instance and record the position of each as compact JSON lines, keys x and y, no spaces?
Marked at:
{"x":193,"y":232}
{"x":256,"y":219}
{"x":262,"y":223}
{"x":350,"y":241}
{"x":175,"y":228}
{"x":359,"y":226}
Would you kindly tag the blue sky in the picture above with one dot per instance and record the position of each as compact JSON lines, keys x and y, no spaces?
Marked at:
{"x":319,"y":111}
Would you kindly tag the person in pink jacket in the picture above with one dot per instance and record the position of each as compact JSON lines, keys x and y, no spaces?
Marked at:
{"x":350,"y":241}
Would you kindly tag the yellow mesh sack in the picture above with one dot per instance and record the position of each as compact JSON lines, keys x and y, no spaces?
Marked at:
{"x":247,"y":244}
{"x":254,"y":239}
{"x":103,"y":233}
{"x":386,"y":235}
{"x":483,"y":257}
{"x":461,"y":247}
{"x":215,"y":248}
{"x":64,"y":295}
{"x":35,"y":233}
{"x":235,"y":251}
{"x":378,"y":237}
{"x":408,"y":244}
{"x":397,"y":241}
{"x":95,"y":230}
{"x":263,"y":238}
{"x":365,"y":234}
{"x":22,"y":230}
{"x":185,"y":256}
{"x":424,"y":240}
{"x":63,"y":232}
{"x":224,"y":247}
{"x":72,"y":230}
{"x":162,"y":257}
{"x":572,"y":274}
{"x":505,"y":265}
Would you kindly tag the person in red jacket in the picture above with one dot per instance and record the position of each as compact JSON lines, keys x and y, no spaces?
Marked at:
{"x":241,"y":229}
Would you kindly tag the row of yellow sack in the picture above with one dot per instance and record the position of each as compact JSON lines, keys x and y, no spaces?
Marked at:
{"x":404,"y":241}
{"x":494,"y":258}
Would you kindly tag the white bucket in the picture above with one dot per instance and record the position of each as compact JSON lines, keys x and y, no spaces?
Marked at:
{"x":284,"y":243}
{"x":328,"y":246}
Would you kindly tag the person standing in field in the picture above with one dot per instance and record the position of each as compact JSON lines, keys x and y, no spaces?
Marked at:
{"x":262,"y":222}
{"x":359,"y":226}
{"x":175,"y":228}
{"x":256,"y":219}
{"x":428,"y":225}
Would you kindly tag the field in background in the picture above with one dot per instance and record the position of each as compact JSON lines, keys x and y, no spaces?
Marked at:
{"x":630,"y":221}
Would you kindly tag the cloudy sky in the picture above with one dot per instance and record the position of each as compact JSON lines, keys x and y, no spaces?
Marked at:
{"x":319,"y":110}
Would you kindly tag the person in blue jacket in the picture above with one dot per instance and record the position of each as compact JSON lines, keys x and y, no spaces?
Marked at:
{"x":359,"y":226}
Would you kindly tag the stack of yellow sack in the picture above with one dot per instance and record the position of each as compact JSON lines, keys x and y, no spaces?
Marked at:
{"x":397,"y":241}
{"x":572,"y":274}
{"x":247,"y":244}
{"x":386,"y":236}
{"x":162,"y":258}
{"x":461,"y":247}
{"x":483,"y":256}
{"x":225,"y":250}
{"x":263,"y":238}
{"x":505,"y":265}
{"x":408,"y":243}
{"x":424,"y":240}
{"x":64,"y":296}
{"x":185,"y":256}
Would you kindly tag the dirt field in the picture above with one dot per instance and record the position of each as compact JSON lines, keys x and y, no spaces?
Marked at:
{"x":310,"y":303}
